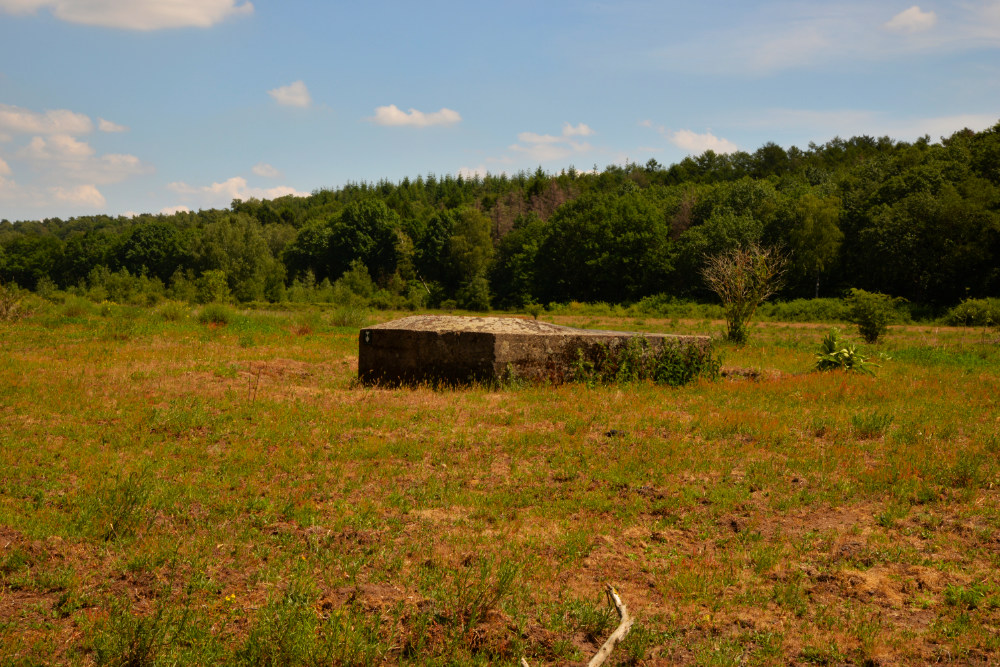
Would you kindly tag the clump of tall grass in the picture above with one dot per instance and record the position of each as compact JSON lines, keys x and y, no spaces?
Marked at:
{"x":215,"y":313}
{"x":11,"y":304}
{"x":637,"y":360}
{"x":174,"y":311}
{"x":351,"y":316}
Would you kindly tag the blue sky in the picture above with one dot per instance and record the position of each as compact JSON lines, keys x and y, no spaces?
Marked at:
{"x":133,"y":106}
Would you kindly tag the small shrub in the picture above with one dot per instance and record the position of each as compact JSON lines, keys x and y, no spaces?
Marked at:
{"x":76,"y":307}
{"x":872,"y":312}
{"x":836,"y":354}
{"x":215,"y":313}
{"x":637,"y":360}
{"x":534,"y":309}
{"x":174,"y":311}
{"x":975,"y":313}
{"x":11,"y":304}
{"x":213,"y":287}
{"x":350,"y":316}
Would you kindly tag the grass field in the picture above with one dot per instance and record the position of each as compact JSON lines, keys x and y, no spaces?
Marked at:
{"x":176,"y":491}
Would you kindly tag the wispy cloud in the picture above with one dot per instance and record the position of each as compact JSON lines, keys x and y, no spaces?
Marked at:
{"x":265,"y":170}
{"x":108,"y":126}
{"x":135,"y":14}
{"x":293,"y":95}
{"x":4,"y":168}
{"x":392,"y":115}
{"x":221,"y":194}
{"x":778,"y":36}
{"x":912,"y":20}
{"x":548,"y":148}
{"x":855,"y":122}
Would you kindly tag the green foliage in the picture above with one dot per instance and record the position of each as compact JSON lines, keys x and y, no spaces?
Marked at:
{"x":638,"y":360}
{"x":152,"y":248}
{"x":118,"y":508}
{"x":174,"y":311}
{"x":12,"y":306}
{"x":805,"y":310}
{"x":837,"y":354}
{"x":215,"y":313}
{"x":816,"y":237}
{"x":872,"y":312}
{"x":351,"y":316}
{"x":366,"y":230}
{"x":604,"y":248}
{"x":871,"y":424}
{"x":213,"y":287}
{"x":918,"y":220}
{"x":103,"y":284}
{"x":475,"y":294}
{"x":357,"y":281}
{"x":127,"y":638}
{"x":534,"y":309}
{"x":975,"y":312}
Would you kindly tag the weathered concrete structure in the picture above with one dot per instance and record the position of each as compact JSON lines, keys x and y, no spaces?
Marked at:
{"x":451,"y":349}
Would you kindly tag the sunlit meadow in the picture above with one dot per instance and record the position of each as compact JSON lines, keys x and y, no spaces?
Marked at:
{"x":188,"y":488}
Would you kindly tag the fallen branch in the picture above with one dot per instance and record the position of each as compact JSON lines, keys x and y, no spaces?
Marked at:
{"x":624,"y":626}
{"x":619,"y":634}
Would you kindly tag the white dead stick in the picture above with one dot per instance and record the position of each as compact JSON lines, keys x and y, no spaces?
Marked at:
{"x":619,"y":634}
{"x":624,"y":626}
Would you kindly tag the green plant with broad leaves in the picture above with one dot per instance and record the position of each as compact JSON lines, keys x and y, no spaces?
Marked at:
{"x":838,"y":354}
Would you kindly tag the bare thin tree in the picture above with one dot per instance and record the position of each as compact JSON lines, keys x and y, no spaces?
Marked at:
{"x":743,"y":278}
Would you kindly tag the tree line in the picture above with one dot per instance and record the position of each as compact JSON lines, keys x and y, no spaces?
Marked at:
{"x":916,"y":220}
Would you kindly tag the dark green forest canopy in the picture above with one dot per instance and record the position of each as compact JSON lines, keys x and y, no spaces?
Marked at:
{"x":916,"y":220}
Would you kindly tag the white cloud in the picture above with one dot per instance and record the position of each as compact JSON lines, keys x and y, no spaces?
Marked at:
{"x":135,"y":14}
{"x":170,"y":210}
{"x":222,"y":194}
{"x":4,"y":168}
{"x":394,"y":116}
{"x":580,"y":130}
{"x":293,"y":95}
{"x":542,"y":152}
{"x":473,"y":172}
{"x":912,"y":20}
{"x":108,"y":126}
{"x":57,"y":147}
{"x":58,"y":121}
{"x":67,"y":157}
{"x":265,"y":170}
{"x":548,"y":148}
{"x":81,"y":195}
{"x":533,"y":138}
{"x":699,"y":143}
{"x":824,"y":125}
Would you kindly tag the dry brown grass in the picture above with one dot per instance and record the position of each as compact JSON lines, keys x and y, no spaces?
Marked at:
{"x":266,"y":508}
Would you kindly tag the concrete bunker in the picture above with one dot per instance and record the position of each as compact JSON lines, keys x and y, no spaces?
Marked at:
{"x":454,"y":350}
